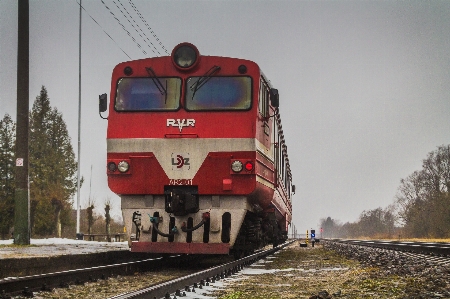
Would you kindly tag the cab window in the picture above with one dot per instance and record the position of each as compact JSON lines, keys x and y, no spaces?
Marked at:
{"x":144,"y":94}
{"x":218,"y":93}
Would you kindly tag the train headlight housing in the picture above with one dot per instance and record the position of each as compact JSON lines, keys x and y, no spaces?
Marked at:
{"x":185,"y":56}
{"x":236,"y":166}
{"x":123,"y":166}
{"x":112,"y":166}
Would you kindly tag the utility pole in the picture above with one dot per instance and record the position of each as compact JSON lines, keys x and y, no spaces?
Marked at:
{"x":22,"y":192}
{"x":79,"y":127}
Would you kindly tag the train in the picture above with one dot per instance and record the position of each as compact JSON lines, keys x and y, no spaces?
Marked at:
{"x":197,"y":154}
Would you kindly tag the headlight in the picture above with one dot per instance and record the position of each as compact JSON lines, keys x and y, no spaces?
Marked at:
{"x":185,"y":55}
{"x":236,"y":166}
{"x":123,"y":166}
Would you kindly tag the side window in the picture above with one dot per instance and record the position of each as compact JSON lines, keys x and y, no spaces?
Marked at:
{"x":281,"y":160}
{"x":263,"y":98}
{"x":275,"y":144}
{"x":280,"y":157}
{"x":260,"y":100}
{"x":283,"y":170}
{"x":276,"y":149}
{"x":288,"y":186}
{"x":285,"y":173}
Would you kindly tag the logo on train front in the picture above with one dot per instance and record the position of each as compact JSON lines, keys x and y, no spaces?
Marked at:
{"x":180,"y":123}
{"x":180,"y":161}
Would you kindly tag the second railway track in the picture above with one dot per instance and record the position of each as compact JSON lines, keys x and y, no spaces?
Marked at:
{"x":432,"y":248}
{"x":394,"y":254}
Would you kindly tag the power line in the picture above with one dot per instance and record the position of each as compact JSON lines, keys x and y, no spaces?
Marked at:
{"x":148,"y":27}
{"x":152,"y":47}
{"x":126,"y":14}
{"x":103,"y":30}
{"x":137,"y":25}
{"x":123,"y":27}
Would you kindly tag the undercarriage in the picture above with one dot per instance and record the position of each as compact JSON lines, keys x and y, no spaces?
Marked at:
{"x":257,"y":231}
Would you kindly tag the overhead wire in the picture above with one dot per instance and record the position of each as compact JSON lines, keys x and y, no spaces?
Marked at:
{"x":146,"y":24}
{"x":135,"y":26}
{"x":126,"y":14}
{"x":153,"y":48}
{"x":123,"y":27}
{"x":103,"y":29}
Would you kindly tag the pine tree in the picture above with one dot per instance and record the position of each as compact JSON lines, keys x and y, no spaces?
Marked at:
{"x":52,"y":168}
{"x":7,"y":145}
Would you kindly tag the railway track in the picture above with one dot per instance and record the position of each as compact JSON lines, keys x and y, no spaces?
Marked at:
{"x":439,"y":260}
{"x":26,"y":285}
{"x":433,"y":254}
{"x":437,"y":249}
{"x":175,"y":287}
{"x":187,"y":283}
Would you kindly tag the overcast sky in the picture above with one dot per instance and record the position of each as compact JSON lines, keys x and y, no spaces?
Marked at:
{"x":364,"y":85}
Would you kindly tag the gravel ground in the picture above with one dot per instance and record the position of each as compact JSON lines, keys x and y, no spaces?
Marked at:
{"x":299,"y":272}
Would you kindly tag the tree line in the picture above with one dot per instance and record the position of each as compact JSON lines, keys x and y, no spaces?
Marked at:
{"x":52,"y":172}
{"x":421,"y":207}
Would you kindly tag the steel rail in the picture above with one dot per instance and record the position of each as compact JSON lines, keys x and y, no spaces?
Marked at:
{"x":434,"y":248}
{"x":164,"y":289}
{"x":25,"y":285}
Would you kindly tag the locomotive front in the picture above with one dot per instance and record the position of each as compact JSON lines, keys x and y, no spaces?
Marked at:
{"x":183,"y":151}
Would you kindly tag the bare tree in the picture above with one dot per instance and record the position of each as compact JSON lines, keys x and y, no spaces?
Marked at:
{"x":90,"y":213}
{"x":108,"y":217}
{"x":423,"y":199}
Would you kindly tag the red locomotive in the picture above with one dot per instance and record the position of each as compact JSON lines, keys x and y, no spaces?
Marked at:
{"x":196,"y":151}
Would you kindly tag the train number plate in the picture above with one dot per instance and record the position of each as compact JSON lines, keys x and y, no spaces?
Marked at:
{"x":179,"y":182}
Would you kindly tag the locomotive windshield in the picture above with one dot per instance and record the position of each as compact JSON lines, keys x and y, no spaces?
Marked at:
{"x":143,"y":94}
{"x":219,"y":93}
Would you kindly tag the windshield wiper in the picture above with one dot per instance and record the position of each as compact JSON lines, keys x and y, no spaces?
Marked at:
{"x":203,"y":79}
{"x":158,"y":84}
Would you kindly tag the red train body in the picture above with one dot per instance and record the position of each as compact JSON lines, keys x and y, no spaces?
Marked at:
{"x":195,"y":150}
